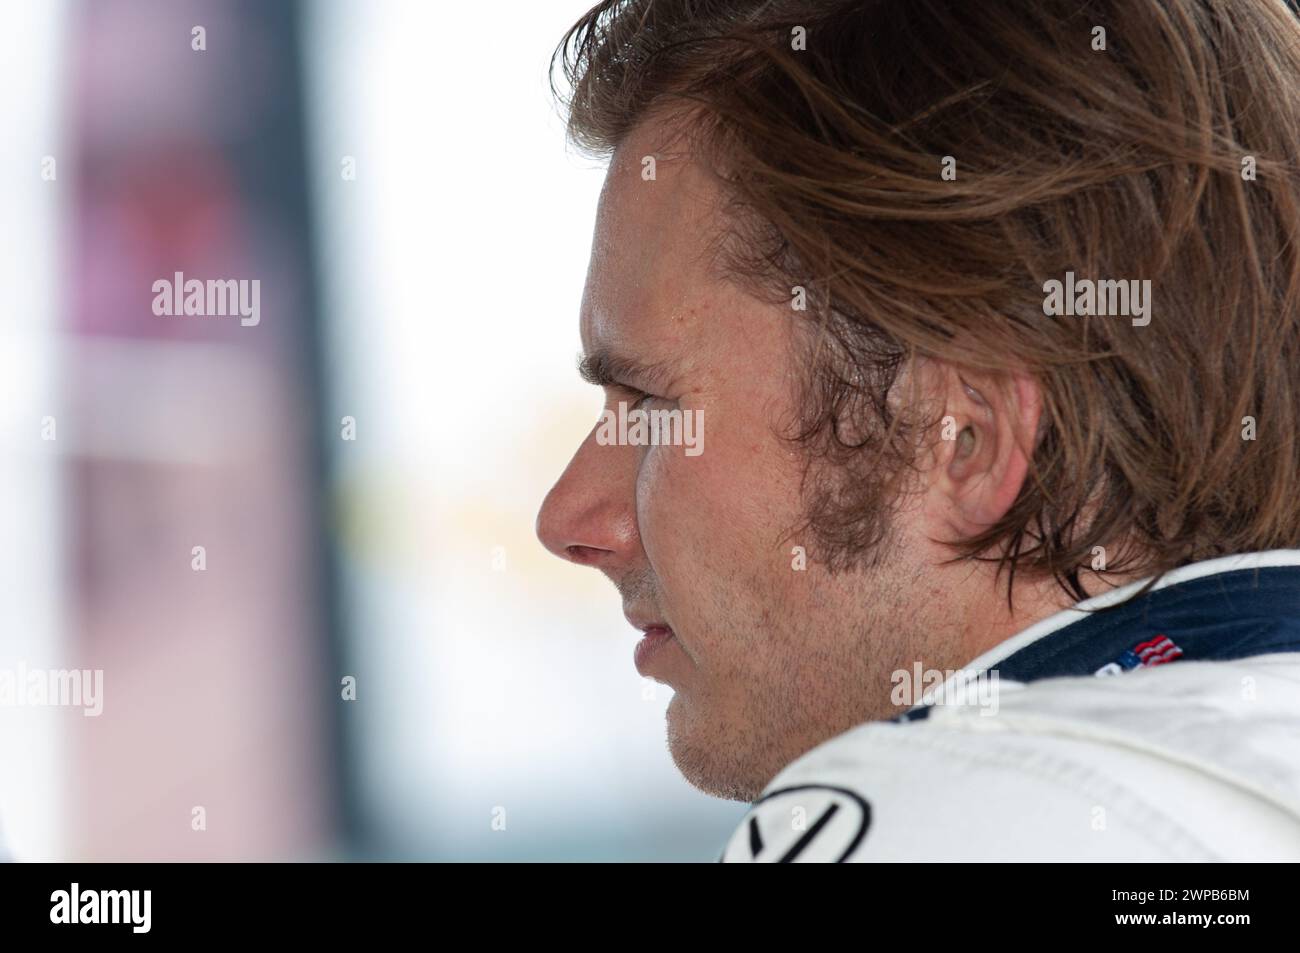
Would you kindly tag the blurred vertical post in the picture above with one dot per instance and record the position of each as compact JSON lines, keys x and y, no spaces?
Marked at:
{"x":194,"y":452}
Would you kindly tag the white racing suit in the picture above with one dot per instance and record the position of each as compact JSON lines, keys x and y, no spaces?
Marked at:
{"x":1164,"y":728}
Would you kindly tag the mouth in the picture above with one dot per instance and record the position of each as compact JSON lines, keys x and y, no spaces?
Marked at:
{"x":656,"y":636}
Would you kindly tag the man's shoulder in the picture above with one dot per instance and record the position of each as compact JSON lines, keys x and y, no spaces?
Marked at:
{"x":1188,"y":761}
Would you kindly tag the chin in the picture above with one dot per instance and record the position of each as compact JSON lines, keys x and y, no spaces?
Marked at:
{"x":700,"y":752}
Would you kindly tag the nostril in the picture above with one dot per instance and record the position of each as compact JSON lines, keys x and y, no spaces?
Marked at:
{"x":582,"y":554}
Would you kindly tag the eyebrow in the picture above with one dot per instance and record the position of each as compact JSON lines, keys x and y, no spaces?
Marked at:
{"x":605,"y":368}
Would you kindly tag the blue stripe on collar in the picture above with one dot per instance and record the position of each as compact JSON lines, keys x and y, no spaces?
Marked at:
{"x":1224,"y":616}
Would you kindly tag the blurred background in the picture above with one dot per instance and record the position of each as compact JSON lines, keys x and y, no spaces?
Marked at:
{"x":244,"y":527}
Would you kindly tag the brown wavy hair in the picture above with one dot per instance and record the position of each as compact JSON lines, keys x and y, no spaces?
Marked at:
{"x":1124,"y":163}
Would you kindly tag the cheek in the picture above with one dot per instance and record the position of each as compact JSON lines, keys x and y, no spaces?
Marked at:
{"x":669,"y":499}
{"x":723,"y":512}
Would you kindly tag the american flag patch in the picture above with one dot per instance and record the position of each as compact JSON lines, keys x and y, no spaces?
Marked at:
{"x":1155,"y":651}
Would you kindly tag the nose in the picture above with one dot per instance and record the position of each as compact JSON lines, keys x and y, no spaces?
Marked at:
{"x":589,"y":517}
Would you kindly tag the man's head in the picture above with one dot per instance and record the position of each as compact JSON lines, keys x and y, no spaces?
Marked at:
{"x":827,"y":228}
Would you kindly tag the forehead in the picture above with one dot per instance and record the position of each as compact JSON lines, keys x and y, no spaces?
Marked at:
{"x":649,"y":257}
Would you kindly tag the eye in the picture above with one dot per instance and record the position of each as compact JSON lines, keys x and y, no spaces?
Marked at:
{"x":644,"y":398}
{"x":635,"y":398}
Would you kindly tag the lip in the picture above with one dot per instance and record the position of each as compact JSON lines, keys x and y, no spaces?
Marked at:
{"x":657,"y":635}
{"x":656,"y":638}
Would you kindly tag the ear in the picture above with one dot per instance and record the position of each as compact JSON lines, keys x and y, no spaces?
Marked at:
{"x":986,"y":440}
